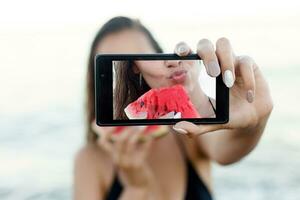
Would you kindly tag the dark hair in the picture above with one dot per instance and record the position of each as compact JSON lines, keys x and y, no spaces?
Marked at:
{"x":114,"y":25}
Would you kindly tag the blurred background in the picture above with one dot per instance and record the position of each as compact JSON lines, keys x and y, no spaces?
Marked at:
{"x":44,"y":47}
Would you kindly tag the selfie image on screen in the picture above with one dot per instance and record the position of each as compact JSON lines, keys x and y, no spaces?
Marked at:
{"x":162,"y":89}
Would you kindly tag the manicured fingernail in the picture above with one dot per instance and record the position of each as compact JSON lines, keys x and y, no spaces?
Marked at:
{"x":213,"y":68}
{"x":250,"y":96}
{"x":182,"y":49}
{"x":180,"y":130}
{"x":228,"y":78}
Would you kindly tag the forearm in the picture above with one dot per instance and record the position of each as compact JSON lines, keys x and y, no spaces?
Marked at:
{"x":230,"y":145}
{"x":149,"y":193}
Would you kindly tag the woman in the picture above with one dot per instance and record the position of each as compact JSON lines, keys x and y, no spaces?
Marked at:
{"x":157,"y":74}
{"x":174,"y":166}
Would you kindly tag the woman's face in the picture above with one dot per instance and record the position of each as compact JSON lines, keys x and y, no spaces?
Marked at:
{"x":165,"y":73}
{"x":157,"y":74}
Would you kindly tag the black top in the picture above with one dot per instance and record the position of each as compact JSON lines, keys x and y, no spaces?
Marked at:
{"x":195,"y":189}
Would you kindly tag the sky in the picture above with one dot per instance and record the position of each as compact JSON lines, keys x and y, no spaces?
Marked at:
{"x":44,"y":44}
{"x":34,"y":12}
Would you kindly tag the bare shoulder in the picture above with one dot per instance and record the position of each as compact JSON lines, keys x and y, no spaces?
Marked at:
{"x":92,"y":172}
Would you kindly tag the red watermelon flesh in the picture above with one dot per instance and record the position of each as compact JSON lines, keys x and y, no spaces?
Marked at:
{"x":166,"y":102}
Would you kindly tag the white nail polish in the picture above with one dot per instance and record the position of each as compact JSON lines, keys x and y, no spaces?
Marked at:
{"x":182,"y":49}
{"x":180,"y":130}
{"x":228,"y":78}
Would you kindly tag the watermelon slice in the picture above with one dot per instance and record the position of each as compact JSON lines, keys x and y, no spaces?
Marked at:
{"x":162,"y":103}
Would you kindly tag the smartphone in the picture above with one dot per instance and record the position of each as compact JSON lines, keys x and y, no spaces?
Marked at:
{"x":157,"y":89}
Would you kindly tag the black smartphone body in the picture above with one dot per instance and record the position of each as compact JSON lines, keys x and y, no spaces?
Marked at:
{"x":123,"y":80}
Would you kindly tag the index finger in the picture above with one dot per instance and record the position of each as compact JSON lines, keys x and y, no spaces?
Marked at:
{"x":206,"y":51}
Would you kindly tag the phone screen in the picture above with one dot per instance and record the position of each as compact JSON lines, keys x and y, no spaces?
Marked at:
{"x":144,"y":89}
{"x":162,"y":89}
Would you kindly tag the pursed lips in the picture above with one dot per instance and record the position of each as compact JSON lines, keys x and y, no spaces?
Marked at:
{"x":177,"y":73}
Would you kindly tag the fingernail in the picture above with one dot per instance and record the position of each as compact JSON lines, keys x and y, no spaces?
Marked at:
{"x":213,"y":68}
{"x":228,"y":78}
{"x":182,"y":49}
{"x":180,"y":130}
{"x":250,"y":96}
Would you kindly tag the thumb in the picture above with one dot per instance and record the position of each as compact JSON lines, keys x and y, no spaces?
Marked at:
{"x":187,"y":128}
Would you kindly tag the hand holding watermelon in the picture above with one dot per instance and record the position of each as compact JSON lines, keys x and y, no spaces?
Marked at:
{"x":127,"y":153}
